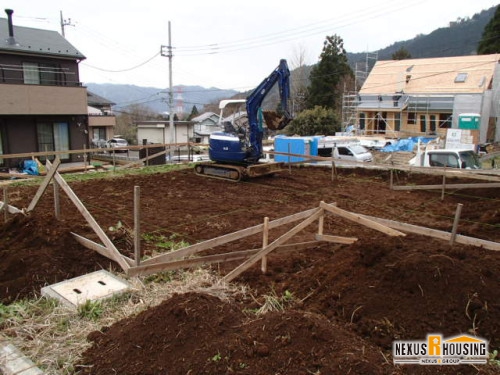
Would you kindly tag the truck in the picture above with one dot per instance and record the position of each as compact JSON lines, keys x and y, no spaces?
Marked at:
{"x":235,"y":152}
{"x":449,"y":158}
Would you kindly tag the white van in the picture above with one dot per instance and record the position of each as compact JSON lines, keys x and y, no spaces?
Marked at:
{"x":352,"y":152}
{"x":343,"y":148}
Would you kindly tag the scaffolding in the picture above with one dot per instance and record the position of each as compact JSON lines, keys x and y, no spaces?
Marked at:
{"x":350,"y":98}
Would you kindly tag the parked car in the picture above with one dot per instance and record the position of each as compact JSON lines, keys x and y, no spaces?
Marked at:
{"x":116,"y":142}
{"x":352,"y":152}
{"x":98,"y":143}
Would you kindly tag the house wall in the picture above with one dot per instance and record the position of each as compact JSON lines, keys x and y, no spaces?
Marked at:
{"x":159,"y":132}
{"x":411,"y":124}
{"x":151,"y":134}
{"x":19,"y":135}
{"x":35,"y":100}
{"x":102,"y":120}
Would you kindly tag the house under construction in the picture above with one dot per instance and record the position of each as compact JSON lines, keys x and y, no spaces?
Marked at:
{"x":424,"y":97}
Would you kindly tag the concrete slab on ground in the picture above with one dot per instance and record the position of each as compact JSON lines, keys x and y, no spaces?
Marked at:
{"x":12,"y":361}
{"x":93,"y":286}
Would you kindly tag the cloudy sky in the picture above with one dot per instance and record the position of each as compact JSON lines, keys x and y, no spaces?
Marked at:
{"x":226,"y":44}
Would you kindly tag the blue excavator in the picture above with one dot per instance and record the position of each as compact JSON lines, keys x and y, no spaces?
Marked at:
{"x":235,"y":152}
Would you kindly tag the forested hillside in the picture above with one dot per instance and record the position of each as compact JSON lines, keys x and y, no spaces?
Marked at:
{"x":460,"y":38}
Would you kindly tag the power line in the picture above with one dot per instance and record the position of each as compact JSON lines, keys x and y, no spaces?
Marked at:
{"x":123,"y":70}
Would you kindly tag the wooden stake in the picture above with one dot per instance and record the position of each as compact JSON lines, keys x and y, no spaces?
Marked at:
{"x":85,"y":158}
{"x":334,"y":170}
{"x":265,"y":241}
{"x":5,"y":204}
{"x":444,"y":185}
{"x":321,"y":222}
{"x":442,"y":235}
{"x":137,"y":225}
{"x":289,"y":163}
{"x":208,"y":244}
{"x":280,"y":241}
{"x":48,"y":177}
{"x":391,"y":180}
{"x":455,"y":223}
{"x":57,"y":204}
{"x":113,"y":251}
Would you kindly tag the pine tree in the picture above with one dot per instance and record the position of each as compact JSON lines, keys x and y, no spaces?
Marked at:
{"x":401,"y":54}
{"x":490,"y":41}
{"x":327,"y":75}
{"x":193,"y":114}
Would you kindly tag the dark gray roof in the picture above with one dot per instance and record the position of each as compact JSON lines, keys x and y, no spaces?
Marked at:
{"x":94,"y":99}
{"x":36,"y":41}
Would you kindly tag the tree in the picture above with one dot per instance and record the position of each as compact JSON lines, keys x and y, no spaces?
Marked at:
{"x":125,"y":121}
{"x":490,"y":41}
{"x":316,"y":121}
{"x":401,"y":54}
{"x":327,"y":75}
{"x":299,"y":79}
{"x":193,"y":114}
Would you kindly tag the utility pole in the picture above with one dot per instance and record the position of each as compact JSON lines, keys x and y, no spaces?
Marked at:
{"x":64,"y":23}
{"x":167,"y":51}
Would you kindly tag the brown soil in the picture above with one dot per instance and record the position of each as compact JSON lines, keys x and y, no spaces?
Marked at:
{"x":349,"y":302}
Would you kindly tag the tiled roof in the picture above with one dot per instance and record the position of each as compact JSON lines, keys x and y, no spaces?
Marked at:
{"x":36,"y":41}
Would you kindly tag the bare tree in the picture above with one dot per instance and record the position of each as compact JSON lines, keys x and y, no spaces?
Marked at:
{"x":300,"y":79}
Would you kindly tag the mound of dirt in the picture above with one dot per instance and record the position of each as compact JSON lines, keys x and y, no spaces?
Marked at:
{"x":200,"y":334}
{"x":349,"y":301}
{"x":36,"y":253}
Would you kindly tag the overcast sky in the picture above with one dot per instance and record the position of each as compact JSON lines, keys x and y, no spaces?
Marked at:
{"x":226,"y":44}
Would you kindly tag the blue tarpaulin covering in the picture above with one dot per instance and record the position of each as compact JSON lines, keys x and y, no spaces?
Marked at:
{"x":406,"y":144}
{"x":30,"y":167}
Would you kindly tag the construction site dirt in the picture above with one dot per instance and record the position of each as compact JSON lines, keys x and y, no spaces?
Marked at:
{"x":341,"y":305}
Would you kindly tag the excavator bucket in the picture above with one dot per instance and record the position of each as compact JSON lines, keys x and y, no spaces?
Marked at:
{"x":274,"y":121}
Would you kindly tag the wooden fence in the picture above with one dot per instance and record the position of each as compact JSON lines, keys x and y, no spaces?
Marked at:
{"x":188,"y":257}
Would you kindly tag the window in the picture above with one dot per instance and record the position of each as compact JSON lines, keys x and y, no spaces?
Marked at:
{"x":423,"y":123}
{"x":443,"y":160}
{"x":53,"y":137}
{"x":412,"y":118}
{"x":397,"y":121}
{"x":445,"y":121}
{"x":42,"y":74}
{"x":99,"y":133}
{"x":31,"y":75}
{"x":362,"y":121}
{"x":432,"y":123}
{"x":344,"y":151}
{"x":461,"y":77}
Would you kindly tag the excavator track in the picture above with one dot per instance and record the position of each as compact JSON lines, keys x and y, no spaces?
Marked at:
{"x":236,"y":173}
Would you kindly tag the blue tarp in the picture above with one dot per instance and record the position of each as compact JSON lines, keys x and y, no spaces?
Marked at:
{"x":30,"y":167}
{"x":406,"y":144}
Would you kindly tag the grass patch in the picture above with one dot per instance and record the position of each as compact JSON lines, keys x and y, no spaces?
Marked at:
{"x":54,"y":336}
{"x":112,"y":173}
